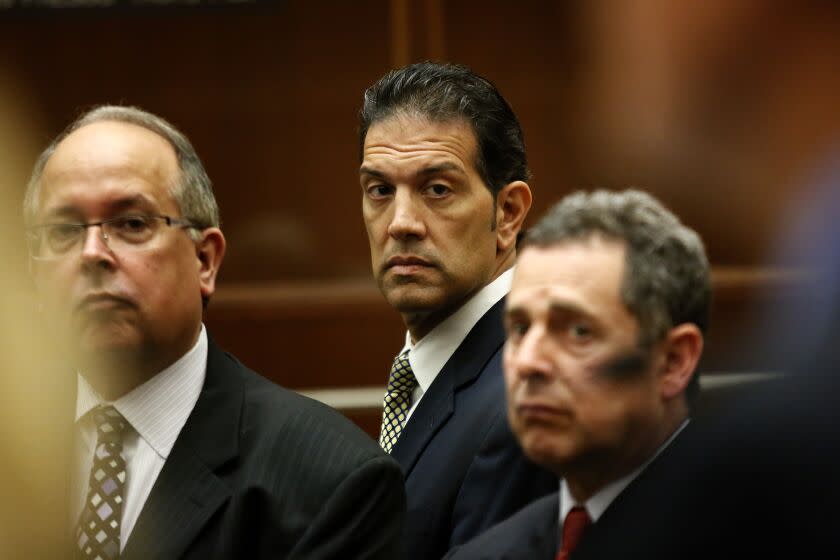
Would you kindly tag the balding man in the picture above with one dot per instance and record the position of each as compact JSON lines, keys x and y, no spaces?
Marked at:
{"x":183,"y":452}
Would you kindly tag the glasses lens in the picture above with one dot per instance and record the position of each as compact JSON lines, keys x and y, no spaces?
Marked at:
{"x":58,"y":239}
{"x":131,"y":230}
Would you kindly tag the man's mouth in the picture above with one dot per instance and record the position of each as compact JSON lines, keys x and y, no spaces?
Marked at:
{"x":102,"y":302}
{"x":406,"y":264}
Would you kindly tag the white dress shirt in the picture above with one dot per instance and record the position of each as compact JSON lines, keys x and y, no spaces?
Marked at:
{"x":428,"y":356}
{"x":598,"y":503}
{"x":155,"y":412}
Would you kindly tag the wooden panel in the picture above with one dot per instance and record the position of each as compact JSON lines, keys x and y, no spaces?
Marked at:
{"x":343,"y":334}
{"x":334,"y":334}
{"x":369,"y":420}
{"x":269,"y":97}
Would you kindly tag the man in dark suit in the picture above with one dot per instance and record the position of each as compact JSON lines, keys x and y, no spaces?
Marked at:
{"x":444,"y":197}
{"x":182,"y":451}
{"x":741,"y":97}
{"x":605,"y":322}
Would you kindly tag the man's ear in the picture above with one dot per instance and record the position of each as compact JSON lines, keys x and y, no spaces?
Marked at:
{"x":512,"y":204}
{"x":682,"y":348}
{"x":210,"y":250}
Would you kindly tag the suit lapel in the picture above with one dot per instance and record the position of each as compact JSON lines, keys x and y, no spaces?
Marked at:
{"x":438,"y":404}
{"x":187,"y":491}
{"x":545,"y":541}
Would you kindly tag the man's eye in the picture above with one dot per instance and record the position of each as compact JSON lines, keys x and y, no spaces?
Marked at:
{"x":580,"y":331}
{"x":59,"y":233}
{"x":517,"y":329}
{"x":379,"y":191}
{"x":438,"y":190}
{"x":132,"y":223}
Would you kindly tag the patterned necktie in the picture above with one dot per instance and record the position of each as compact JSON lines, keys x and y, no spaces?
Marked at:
{"x":577,"y":520}
{"x":401,"y":382}
{"x":98,"y":531}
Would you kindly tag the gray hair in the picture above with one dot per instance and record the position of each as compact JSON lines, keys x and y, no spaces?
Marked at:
{"x":193,"y":191}
{"x":666,"y":280}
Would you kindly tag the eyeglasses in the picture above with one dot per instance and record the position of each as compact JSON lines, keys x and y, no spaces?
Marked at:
{"x":134,"y":232}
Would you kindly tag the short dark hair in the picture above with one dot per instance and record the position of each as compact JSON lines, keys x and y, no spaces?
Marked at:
{"x":666,"y":280}
{"x":444,"y":92}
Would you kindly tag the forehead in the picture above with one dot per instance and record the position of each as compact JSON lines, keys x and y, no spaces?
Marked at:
{"x":586,"y":273}
{"x":408,"y":142}
{"x":107,"y":161}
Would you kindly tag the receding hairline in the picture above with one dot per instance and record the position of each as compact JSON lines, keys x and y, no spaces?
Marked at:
{"x":174,"y":170}
{"x":115,"y":123}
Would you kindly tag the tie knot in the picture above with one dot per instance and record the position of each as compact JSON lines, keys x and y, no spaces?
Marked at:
{"x":576,"y":522}
{"x":401,"y":378}
{"x":110,"y":424}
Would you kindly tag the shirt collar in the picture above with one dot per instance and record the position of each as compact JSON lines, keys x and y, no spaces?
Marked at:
{"x":598,"y":503}
{"x":428,"y":356}
{"x":158,"y":408}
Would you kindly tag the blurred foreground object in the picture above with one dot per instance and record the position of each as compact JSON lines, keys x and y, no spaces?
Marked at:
{"x":34,"y":400}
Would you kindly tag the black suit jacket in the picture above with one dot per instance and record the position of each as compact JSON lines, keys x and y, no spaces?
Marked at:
{"x":464,"y":469}
{"x":759,"y":478}
{"x":533,"y":533}
{"x":262,"y":472}
{"x":757,"y":481}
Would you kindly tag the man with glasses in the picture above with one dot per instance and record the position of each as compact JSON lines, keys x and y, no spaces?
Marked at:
{"x":182,"y":451}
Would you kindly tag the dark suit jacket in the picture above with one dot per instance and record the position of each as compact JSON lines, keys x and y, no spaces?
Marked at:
{"x":758,"y":481}
{"x":262,"y":472}
{"x":533,"y":532}
{"x":530,"y":534}
{"x":760,"y":477}
{"x":464,"y":469}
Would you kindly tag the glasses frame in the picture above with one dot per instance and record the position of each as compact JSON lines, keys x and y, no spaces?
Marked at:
{"x":33,"y":232}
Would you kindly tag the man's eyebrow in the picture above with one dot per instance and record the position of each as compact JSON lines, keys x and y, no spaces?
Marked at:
{"x":131,"y":202}
{"x":365,"y":170}
{"x":513,"y":312}
{"x":562,"y":308}
{"x":425,"y":172}
{"x":441,"y":168}
{"x":70,"y":211}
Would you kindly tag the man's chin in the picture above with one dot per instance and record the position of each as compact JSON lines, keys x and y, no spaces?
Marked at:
{"x":544,"y":447}
{"x":413,"y":303}
{"x":106,"y":345}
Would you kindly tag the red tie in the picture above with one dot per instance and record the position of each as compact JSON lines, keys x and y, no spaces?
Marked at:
{"x":577,"y":520}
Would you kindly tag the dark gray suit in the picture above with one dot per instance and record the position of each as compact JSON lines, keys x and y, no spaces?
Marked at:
{"x":531,"y":534}
{"x":262,"y":472}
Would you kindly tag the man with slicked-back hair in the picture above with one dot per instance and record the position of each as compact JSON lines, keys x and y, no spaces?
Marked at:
{"x":444,"y":195}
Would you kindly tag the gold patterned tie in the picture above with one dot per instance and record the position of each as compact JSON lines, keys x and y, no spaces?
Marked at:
{"x":98,"y":531}
{"x":401,"y":382}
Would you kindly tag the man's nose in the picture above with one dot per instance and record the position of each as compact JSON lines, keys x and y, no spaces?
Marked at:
{"x":530,"y":356}
{"x":407,"y":221}
{"x":95,"y":248}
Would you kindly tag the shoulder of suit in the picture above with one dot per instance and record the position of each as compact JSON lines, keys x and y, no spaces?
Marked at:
{"x":271,"y":410}
{"x":516,"y":531}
